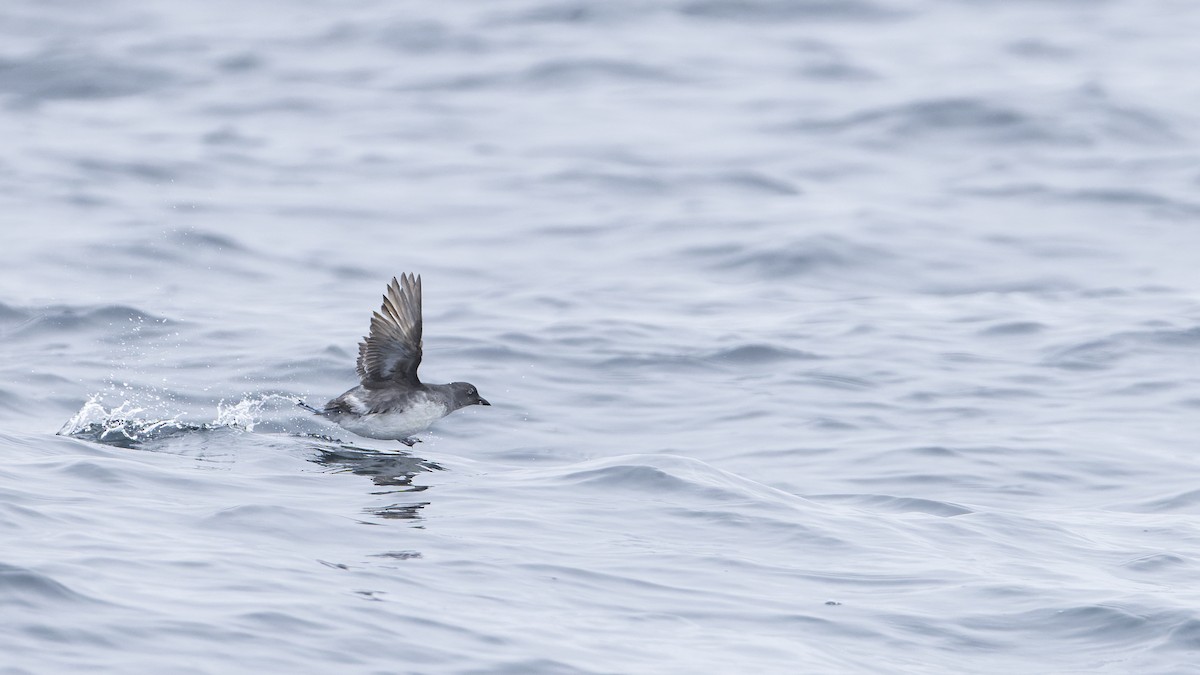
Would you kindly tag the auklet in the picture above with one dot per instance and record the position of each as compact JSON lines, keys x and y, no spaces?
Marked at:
{"x":391,"y":403}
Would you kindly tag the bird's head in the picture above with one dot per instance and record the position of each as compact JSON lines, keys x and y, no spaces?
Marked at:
{"x":466,"y":394}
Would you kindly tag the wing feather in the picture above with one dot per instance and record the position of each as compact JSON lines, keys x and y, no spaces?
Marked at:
{"x":392,"y":351}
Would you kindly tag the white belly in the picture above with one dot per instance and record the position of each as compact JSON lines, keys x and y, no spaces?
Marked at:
{"x":393,"y":426}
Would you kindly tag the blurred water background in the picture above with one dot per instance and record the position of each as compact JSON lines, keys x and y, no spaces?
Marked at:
{"x":822,"y":336}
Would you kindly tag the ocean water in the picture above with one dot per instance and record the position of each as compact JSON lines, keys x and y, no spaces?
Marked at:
{"x":821,"y":337}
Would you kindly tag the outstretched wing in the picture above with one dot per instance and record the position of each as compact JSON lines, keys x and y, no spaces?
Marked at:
{"x":392,"y":352}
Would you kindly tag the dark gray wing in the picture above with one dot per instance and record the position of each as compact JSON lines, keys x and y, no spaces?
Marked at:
{"x":392,"y":352}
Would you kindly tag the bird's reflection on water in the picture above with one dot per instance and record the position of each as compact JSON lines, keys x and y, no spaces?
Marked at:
{"x":394,"y":471}
{"x":218,"y":445}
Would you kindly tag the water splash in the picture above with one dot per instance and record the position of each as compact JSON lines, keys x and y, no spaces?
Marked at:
{"x":119,"y":426}
{"x":123,"y":426}
{"x":247,"y":412}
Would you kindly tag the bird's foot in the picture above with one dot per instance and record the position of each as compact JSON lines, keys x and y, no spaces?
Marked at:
{"x":410,"y":441}
{"x":300,"y":402}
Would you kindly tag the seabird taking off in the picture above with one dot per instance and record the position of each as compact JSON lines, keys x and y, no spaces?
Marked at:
{"x":391,"y":403}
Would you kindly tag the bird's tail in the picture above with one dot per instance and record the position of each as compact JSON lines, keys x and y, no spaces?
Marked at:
{"x":300,"y":402}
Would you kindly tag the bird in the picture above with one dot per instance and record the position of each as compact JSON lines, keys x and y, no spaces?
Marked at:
{"x":391,"y":402}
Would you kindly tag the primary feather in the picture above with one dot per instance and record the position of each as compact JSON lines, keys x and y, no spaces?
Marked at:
{"x":392,"y":351}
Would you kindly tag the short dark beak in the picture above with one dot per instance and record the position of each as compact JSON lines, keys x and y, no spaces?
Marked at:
{"x":483,"y":401}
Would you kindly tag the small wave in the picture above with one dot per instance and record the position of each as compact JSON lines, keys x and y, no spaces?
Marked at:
{"x":945,"y":117}
{"x":1014,"y":328}
{"x":1110,"y":623}
{"x":1094,"y":119}
{"x":41,"y":322}
{"x":46,"y":77}
{"x":426,"y":37}
{"x":10,"y":400}
{"x":270,"y":520}
{"x":22,"y":587}
{"x":1039,"y":49}
{"x":10,"y":314}
{"x":626,"y":182}
{"x":580,"y":71}
{"x":1102,"y":353}
{"x":578,"y":12}
{"x":1028,"y":286}
{"x":1183,"y":502}
{"x":790,"y":10}
{"x":189,"y":247}
{"x":753,"y":354}
{"x":409,"y":35}
{"x":1101,"y":197}
{"x":667,"y":474}
{"x":890,"y":504}
{"x":279,"y":104}
{"x":554,"y":74}
{"x":837,"y":71}
{"x":1126,"y":197}
{"x":835,"y":381}
{"x":1092,"y":355}
{"x":150,"y":172}
{"x":1147,"y":387}
{"x":1156,"y":563}
{"x":1172,"y":337}
{"x":240,"y":62}
{"x":643,"y":181}
{"x":1185,"y":635}
{"x":94,"y":472}
{"x":758,"y":182}
{"x":797,"y":258}
{"x":759,"y":353}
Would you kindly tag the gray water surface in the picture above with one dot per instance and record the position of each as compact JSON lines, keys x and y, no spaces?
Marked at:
{"x":821,"y":337}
